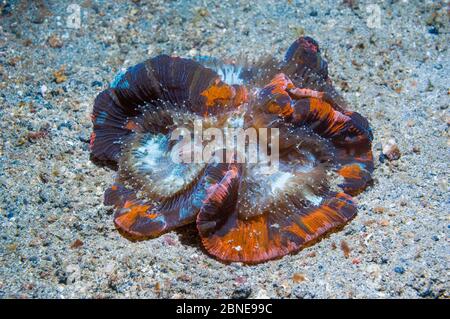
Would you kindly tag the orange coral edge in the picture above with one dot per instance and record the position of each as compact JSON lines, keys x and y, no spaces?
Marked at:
{"x":249,"y":240}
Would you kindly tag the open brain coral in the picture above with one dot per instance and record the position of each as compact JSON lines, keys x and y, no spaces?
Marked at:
{"x":242,"y":214}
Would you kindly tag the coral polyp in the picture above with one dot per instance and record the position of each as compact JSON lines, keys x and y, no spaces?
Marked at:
{"x":243,"y":211}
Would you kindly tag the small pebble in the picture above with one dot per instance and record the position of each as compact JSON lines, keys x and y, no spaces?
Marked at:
{"x":96,"y":84}
{"x":34,"y":260}
{"x":345,"y":248}
{"x":302,"y":292}
{"x":297,"y":277}
{"x":379,"y":210}
{"x":54,"y":41}
{"x":433,"y":30}
{"x":76,"y":244}
{"x":384,"y":223}
{"x":43,"y":90}
{"x":61,"y":275}
{"x":33,"y":136}
{"x":241,"y":293}
{"x":399,"y":270}
{"x":391,"y":150}
{"x":59,"y":75}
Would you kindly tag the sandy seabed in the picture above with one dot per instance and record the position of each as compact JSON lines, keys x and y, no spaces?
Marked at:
{"x":390,"y":60}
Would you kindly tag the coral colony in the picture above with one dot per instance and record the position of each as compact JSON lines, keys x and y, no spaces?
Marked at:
{"x":262,"y":157}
